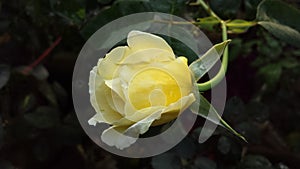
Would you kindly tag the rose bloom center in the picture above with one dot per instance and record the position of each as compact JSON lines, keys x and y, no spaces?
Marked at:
{"x":153,"y":87}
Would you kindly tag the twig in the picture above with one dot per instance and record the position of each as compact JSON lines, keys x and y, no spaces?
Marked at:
{"x":28,"y":68}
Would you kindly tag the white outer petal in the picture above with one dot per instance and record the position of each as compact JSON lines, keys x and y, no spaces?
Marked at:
{"x":113,"y":138}
{"x":92,"y":90}
{"x":138,"y":40}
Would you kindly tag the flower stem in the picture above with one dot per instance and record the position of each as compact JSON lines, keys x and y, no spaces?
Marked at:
{"x":221,"y":74}
{"x":207,"y":8}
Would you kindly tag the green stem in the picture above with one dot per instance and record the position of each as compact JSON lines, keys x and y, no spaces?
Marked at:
{"x":221,"y":74}
{"x":209,"y":11}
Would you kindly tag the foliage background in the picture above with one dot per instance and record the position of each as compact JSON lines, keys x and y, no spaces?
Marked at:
{"x":39,"y":128}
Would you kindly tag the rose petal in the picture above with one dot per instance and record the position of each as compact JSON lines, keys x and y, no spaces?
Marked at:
{"x":97,"y":118}
{"x":146,"y":56}
{"x":116,"y":86}
{"x":108,"y":68}
{"x":99,"y":93}
{"x":181,"y":73}
{"x":172,"y":111}
{"x":141,"y":40}
{"x":114,"y":136}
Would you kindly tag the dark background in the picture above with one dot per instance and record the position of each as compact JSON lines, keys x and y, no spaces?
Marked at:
{"x":41,"y":39}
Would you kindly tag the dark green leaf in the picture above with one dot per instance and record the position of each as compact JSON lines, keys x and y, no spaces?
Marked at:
{"x":186,"y":148}
{"x":27,"y":103}
{"x":205,"y":163}
{"x":250,"y":131}
{"x":181,"y":49}
{"x":4,"y":75}
{"x":40,"y":72}
{"x":61,"y":94}
{"x":71,"y":11}
{"x":132,"y":6}
{"x":166,"y":161}
{"x":257,"y":111}
{"x":46,"y":89}
{"x":104,"y":2}
{"x":208,"y":23}
{"x":234,"y":110}
{"x":208,"y":60}
{"x":251,"y":8}
{"x":224,"y":145}
{"x":174,"y":7}
{"x":289,"y":63}
{"x":117,"y":10}
{"x":282,"y":32}
{"x":239,"y":26}
{"x":100,"y":20}
{"x":43,"y":117}
{"x":281,"y":20}
{"x":271,"y":73}
{"x":255,"y":162}
{"x":235,"y":48}
{"x":226,"y":9}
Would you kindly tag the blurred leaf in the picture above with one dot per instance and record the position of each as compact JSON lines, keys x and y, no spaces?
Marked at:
{"x":43,"y":117}
{"x":40,"y":72}
{"x":226,"y":9}
{"x":270,"y":48}
{"x":281,"y":20}
{"x":239,"y":26}
{"x":205,"y":163}
{"x":250,"y":131}
{"x":21,"y":130}
{"x":4,"y":75}
{"x":181,"y":49}
{"x":61,"y":94}
{"x":271,"y":73}
{"x":257,"y":111}
{"x":234,"y":110}
{"x":282,"y":32}
{"x":69,"y":10}
{"x":117,"y":10}
{"x":251,"y":8}
{"x":132,"y":6}
{"x":208,"y":23}
{"x":71,"y":119}
{"x":28,"y":103}
{"x":255,"y":162}
{"x":166,"y":161}
{"x":289,"y":63}
{"x":186,"y":148}
{"x":235,"y":48}
{"x":46,"y":90}
{"x":104,"y":2}
{"x":174,"y":7}
{"x":224,"y":145}
{"x":100,"y":20}
{"x":208,"y":60}
{"x":281,"y":166}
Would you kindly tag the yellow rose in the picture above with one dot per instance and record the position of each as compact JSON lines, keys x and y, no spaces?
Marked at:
{"x":138,"y":86}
